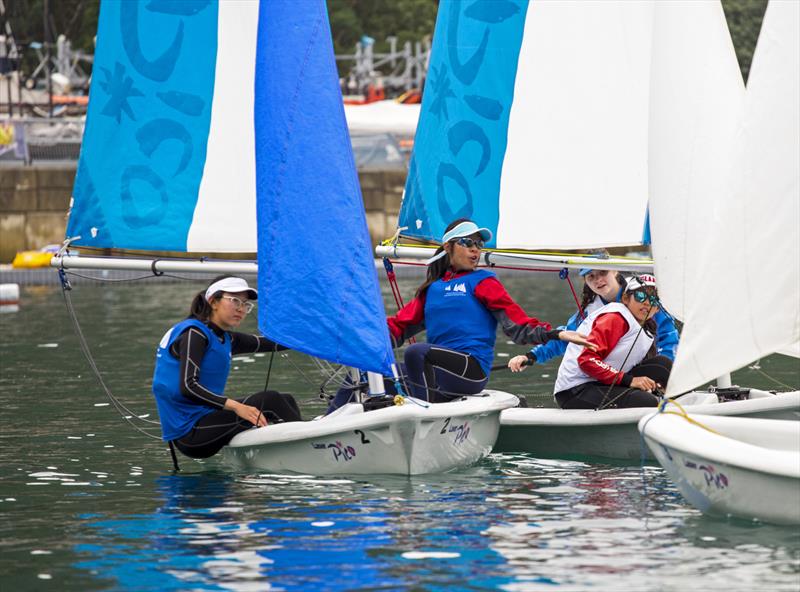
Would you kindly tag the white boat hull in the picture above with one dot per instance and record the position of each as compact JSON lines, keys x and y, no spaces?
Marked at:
{"x":749,"y":469}
{"x":612,"y":433}
{"x":410,"y":439}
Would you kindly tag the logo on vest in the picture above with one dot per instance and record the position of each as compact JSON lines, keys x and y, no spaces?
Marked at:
{"x":456,"y":289}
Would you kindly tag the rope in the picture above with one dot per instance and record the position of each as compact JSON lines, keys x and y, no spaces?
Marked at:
{"x":126,"y":413}
{"x":775,"y":380}
{"x":565,"y":275}
{"x":603,"y":404}
{"x":681,"y":413}
{"x":398,"y":297}
{"x":269,"y":369}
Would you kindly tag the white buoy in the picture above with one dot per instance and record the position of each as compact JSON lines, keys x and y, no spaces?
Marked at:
{"x":9,"y":297}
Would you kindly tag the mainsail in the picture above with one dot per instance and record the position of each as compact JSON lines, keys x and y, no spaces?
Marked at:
{"x":173,"y":152}
{"x":745,"y":302}
{"x":167,"y":159}
{"x":534,"y":123}
{"x":696,"y":98}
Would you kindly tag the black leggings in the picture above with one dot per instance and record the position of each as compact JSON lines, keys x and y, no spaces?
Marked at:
{"x":438,"y":374}
{"x":595,"y":395}
{"x":215,"y":430}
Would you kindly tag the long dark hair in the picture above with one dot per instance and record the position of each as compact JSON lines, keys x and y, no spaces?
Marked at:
{"x":438,"y":268}
{"x":200,"y":308}
{"x":587,"y":297}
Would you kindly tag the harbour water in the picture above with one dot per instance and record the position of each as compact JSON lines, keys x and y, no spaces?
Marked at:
{"x":89,"y":503}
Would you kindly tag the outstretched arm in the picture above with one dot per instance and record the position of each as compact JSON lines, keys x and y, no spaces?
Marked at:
{"x":246,"y":343}
{"x":517,"y":325}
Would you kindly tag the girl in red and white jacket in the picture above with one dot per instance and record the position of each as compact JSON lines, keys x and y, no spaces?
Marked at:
{"x":622,"y":371}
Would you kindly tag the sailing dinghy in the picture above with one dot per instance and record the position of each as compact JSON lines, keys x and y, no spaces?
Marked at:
{"x":736,"y":466}
{"x":499,"y":141}
{"x":730,"y":466}
{"x":219,"y":127}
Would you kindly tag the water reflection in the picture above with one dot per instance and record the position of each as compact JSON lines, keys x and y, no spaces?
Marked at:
{"x":87,"y":503}
{"x":512,"y":523}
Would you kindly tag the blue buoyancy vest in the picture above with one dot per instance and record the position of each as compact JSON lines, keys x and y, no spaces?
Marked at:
{"x":457,"y":320}
{"x":178,"y":414}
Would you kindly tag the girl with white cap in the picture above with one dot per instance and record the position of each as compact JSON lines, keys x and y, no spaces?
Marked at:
{"x":192,"y":365}
{"x":460,"y":306}
{"x":622,"y":370}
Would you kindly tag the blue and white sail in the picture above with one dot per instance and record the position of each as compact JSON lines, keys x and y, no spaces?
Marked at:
{"x":168,"y":160}
{"x":535,"y":123}
{"x":316,"y":276}
{"x":200,"y":107}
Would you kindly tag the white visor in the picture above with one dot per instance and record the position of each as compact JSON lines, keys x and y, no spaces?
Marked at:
{"x":231,"y":284}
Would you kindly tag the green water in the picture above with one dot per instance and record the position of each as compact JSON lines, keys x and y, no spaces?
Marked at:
{"x":88,"y":503}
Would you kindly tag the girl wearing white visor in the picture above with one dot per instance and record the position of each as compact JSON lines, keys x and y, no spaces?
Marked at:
{"x":460,"y":306}
{"x":192,"y":365}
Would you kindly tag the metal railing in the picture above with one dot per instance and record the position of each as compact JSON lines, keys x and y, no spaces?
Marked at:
{"x":28,"y":140}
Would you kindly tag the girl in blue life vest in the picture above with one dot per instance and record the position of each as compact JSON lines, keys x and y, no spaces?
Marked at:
{"x":601,"y":286}
{"x":192,"y":365}
{"x":460,"y":307}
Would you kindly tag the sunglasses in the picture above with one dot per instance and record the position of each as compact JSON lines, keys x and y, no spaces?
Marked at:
{"x":240,"y":304}
{"x":642,"y":296}
{"x":470,"y":242}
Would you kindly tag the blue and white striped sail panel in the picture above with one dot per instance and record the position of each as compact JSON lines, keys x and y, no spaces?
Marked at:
{"x":534,"y":123}
{"x":317,"y":282}
{"x":167,"y":160}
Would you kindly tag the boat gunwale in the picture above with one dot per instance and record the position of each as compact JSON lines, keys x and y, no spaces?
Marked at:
{"x":675,"y":432}
{"x":375,"y":419}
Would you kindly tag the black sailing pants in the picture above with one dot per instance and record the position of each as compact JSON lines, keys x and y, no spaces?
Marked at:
{"x":595,"y":395}
{"x":215,"y":430}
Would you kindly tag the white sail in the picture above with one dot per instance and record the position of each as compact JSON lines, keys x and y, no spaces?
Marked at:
{"x":746,"y":302}
{"x":575,"y":168}
{"x":697,"y":94}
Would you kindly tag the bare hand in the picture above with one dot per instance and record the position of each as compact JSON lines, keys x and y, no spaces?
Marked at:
{"x":644,"y":383}
{"x":247,"y":413}
{"x":518,"y":363}
{"x":577,"y":338}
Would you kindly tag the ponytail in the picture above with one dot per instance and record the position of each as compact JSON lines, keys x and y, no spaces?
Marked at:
{"x":200,"y":308}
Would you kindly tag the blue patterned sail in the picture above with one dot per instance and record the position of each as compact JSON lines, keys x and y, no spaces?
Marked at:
{"x":167,"y":160}
{"x":201,"y":108}
{"x":534,"y":123}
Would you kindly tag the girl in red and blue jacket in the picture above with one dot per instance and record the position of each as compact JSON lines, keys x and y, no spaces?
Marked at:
{"x":460,"y":307}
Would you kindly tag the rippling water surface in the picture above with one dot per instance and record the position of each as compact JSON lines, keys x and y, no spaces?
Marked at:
{"x":88,"y":503}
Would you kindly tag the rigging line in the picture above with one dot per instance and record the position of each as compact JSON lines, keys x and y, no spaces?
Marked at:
{"x":299,"y":370}
{"x":775,"y":380}
{"x":565,"y":273}
{"x":118,"y":405}
{"x":269,"y":369}
{"x":134,"y":279}
{"x":603,"y":403}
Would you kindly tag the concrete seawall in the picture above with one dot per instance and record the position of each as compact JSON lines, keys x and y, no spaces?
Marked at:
{"x":34,"y":202}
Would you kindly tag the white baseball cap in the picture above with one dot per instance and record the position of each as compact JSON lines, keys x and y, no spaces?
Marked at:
{"x":643,"y":280}
{"x":231,"y":284}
